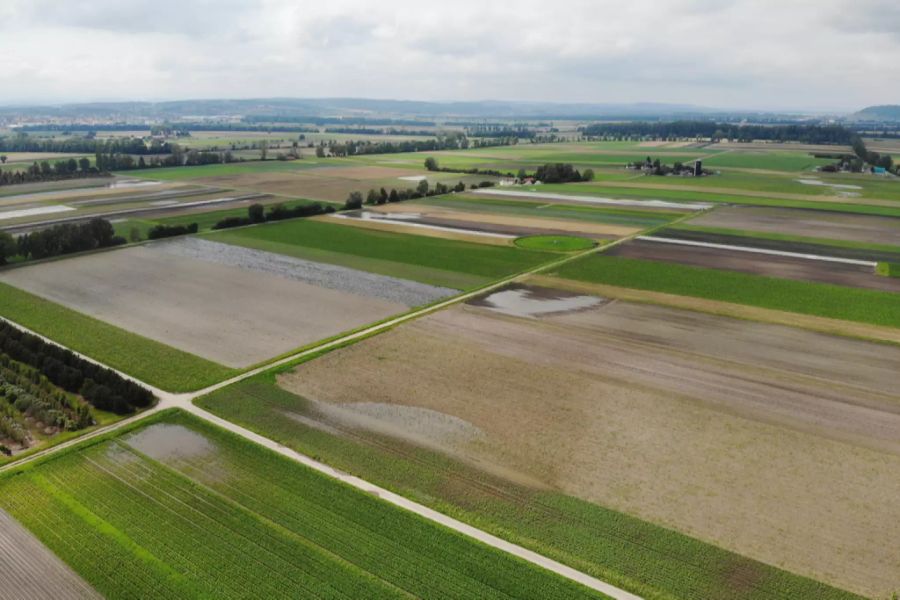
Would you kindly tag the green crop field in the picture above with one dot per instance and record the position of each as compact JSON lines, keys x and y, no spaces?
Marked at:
{"x":180,"y":509}
{"x":148,"y":360}
{"x":429,"y":260}
{"x":824,"y":300}
{"x":774,"y":161}
{"x":655,"y":562}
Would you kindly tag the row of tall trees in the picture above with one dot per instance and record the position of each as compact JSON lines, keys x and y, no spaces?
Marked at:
{"x":101,"y":387}
{"x":65,"y":238}
{"x":45,"y":171}
{"x":22,"y":142}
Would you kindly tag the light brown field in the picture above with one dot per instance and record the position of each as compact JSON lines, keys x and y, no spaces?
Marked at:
{"x":480,"y":218}
{"x":774,"y":442}
{"x":30,"y":571}
{"x":236,"y":317}
{"x":806,"y":223}
{"x":400,"y":227}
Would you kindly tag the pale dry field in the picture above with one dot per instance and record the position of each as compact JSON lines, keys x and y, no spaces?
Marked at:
{"x":777,"y":443}
{"x":30,"y":571}
{"x":535,"y":224}
{"x":806,"y":223}
{"x":231,"y":315}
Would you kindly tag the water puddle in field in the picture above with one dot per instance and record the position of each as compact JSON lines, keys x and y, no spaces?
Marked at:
{"x":32,"y":212}
{"x":531,"y":301}
{"x":369,"y":215}
{"x":838,"y":186}
{"x":131,"y":183}
{"x":413,"y":178}
{"x":165,"y":442}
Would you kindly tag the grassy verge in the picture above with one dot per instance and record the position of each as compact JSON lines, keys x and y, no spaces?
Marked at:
{"x":430,"y":260}
{"x":824,"y":300}
{"x":230,"y":519}
{"x":888,"y":269}
{"x":150,"y":361}
{"x":649,"y":560}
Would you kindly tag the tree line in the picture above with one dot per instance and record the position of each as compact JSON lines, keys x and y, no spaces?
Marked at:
{"x":356,"y":200}
{"x":679,"y":130}
{"x":65,"y":238}
{"x":256,"y":213}
{"x":45,"y":171}
{"x":22,"y":142}
{"x":103,"y":388}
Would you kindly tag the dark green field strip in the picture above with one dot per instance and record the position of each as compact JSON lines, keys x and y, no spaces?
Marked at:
{"x":654,"y":562}
{"x":478,"y":263}
{"x":771,"y":161}
{"x":783,"y":242}
{"x":248,"y":523}
{"x":205,"y":220}
{"x":599,"y":190}
{"x":549,"y":210}
{"x":819,"y":299}
{"x":150,"y":361}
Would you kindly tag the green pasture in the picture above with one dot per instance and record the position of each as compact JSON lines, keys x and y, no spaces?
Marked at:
{"x":819,"y":299}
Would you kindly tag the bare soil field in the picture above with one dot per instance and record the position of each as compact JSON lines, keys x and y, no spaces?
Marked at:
{"x":230,"y":305}
{"x":759,"y":264}
{"x":502,"y":223}
{"x":774,"y":442}
{"x":30,"y":571}
{"x":805,"y":223}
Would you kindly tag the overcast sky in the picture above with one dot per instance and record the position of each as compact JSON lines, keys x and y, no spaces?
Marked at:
{"x":770,"y":54}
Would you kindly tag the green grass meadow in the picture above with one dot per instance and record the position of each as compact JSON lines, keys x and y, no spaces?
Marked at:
{"x":819,"y":299}
{"x":216,"y":516}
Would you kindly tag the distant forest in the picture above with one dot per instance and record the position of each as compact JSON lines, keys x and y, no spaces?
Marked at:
{"x":807,"y":134}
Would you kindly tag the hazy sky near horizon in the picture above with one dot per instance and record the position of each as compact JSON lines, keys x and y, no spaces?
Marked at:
{"x":769,"y":54}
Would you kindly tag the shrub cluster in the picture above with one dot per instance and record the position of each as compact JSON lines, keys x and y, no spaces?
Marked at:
{"x":101,"y":387}
{"x":165,"y":231}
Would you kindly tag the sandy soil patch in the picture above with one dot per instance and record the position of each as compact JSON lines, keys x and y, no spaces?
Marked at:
{"x":759,"y":264}
{"x":775,"y":442}
{"x":29,"y":570}
{"x":805,"y":223}
{"x":526,"y":225}
{"x":231,"y":315}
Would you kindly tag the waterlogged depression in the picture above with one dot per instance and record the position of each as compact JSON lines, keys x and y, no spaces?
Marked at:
{"x":532,"y":301}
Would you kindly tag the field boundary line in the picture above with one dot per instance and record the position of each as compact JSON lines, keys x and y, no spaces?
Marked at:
{"x":749,"y":249}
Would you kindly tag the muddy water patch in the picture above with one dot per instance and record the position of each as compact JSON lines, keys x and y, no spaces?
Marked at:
{"x":167,"y":443}
{"x":532,"y":301}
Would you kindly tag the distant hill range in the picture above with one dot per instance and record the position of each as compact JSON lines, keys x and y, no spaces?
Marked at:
{"x":886,"y":112}
{"x":357,"y":107}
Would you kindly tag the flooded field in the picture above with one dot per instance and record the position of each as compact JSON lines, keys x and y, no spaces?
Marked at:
{"x":521,"y":300}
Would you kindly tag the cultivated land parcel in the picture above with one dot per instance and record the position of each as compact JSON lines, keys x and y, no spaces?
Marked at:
{"x":657,"y":444}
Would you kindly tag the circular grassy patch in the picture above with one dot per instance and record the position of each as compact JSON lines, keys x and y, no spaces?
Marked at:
{"x":555,"y":243}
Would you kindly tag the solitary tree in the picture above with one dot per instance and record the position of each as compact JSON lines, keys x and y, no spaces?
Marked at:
{"x":588,"y":175}
{"x":431,"y":164}
{"x":256,"y":213}
{"x":422,"y":188}
{"x":3,"y":159}
{"x":354,"y":201}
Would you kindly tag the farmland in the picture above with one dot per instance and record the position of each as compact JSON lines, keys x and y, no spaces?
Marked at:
{"x":178,"y":508}
{"x":447,"y":263}
{"x":836,"y":302}
{"x":555,"y":422}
